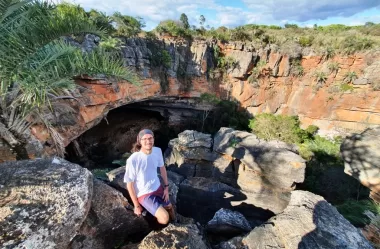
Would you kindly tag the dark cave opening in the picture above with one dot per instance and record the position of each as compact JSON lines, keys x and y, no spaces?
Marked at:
{"x":114,"y":136}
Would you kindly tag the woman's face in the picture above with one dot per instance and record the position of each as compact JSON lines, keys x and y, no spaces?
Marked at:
{"x":147,"y":142}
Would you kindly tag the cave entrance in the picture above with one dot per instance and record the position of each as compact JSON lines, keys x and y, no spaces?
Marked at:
{"x":104,"y":144}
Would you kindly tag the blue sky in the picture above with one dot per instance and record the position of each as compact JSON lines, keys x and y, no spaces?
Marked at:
{"x":239,"y":12}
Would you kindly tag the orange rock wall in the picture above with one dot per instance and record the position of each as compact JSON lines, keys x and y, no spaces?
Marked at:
{"x":332,"y":111}
{"x":335,"y":112}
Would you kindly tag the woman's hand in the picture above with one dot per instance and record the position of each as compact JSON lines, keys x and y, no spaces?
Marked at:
{"x":166,"y":194}
{"x":138,"y":210}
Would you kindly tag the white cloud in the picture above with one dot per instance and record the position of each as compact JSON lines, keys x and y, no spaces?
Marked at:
{"x":275,"y":12}
{"x":304,"y":10}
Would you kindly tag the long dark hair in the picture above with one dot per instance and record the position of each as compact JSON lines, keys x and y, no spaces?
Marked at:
{"x":136,"y":147}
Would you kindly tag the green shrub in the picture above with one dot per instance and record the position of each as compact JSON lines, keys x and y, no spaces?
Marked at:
{"x":239,"y":34}
{"x":209,"y":98}
{"x":376,"y":86}
{"x":127,"y":25}
{"x":277,"y":127}
{"x":297,"y":69}
{"x":306,"y":41}
{"x":312,"y":129}
{"x":334,"y":28}
{"x":291,"y":26}
{"x":353,"y":44}
{"x":226,"y":62}
{"x":329,"y":52}
{"x":226,"y":114}
{"x":321,"y":78}
{"x":323,"y":146}
{"x":333,"y":67}
{"x":349,"y":77}
{"x":110,"y":43}
{"x":166,"y":59}
{"x":346,"y":87}
{"x":354,"y":211}
{"x":101,"y":20}
{"x":173,"y":28}
{"x":161,"y":57}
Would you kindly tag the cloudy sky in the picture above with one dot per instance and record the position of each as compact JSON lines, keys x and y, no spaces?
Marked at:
{"x":232,"y":13}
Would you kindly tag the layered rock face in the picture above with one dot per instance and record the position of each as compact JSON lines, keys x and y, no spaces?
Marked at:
{"x":361,"y":155}
{"x":277,"y":89}
{"x":241,"y":172}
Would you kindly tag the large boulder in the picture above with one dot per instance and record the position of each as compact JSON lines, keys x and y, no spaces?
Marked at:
{"x":263,"y":172}
{"x":190,"y":154}
{"x":228,"y":222}
{"x":361,"y":155}
{"x":43,"y":203}
{"x":116,"y":179}
{"x":308,"y":222}
{"x":173,"y":237}
{"x":275,"y":161}
{"x":201,"y":198}
{"x":109,"y":223}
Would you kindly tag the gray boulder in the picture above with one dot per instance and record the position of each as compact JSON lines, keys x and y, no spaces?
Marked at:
{"x":308,"y":222}
{"x":226,"y":221}
{"x":361,"y":155}
{"x":275,"y":161}
{"x":192,"y":139}
{"x":43,"y":203}
{"x":116,"y":179}
{"x":173,"y":237}
{"x":109,"y":223}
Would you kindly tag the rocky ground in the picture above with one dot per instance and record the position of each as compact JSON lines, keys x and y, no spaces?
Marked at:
{"x":238,"y":188}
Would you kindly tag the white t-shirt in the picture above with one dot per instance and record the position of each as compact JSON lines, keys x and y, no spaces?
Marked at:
{"x":142,"y":170}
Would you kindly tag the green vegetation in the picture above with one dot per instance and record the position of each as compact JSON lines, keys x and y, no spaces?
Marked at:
{"x":333,"y":67}
{"x":226,"y":62}
{"x":280,"y":127}
{"x":185,"y":21}
{"x":306,"y":41}
{"x":101,"y":173}
{"x":324,"y":171}
{"x":354,"y":211}
{"x":37,"y":67}
{"x":327,"y":40}
{"x":253,"y":78}
{"x":320,"y":77}
{"x":173,"y":28}
{"x":296,"y":68}
{"x":110,"y":44}
{"x":225,"y":114}
{"x":126,"y":25}
{"x":350,"y":77}
{"x":346,"y":87}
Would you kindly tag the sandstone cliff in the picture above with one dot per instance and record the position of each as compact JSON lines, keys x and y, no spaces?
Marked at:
{"x":292,"y":81}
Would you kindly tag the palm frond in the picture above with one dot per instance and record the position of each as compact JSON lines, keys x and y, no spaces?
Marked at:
{"x":101,"y":62}
{"x":11,"y":7}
